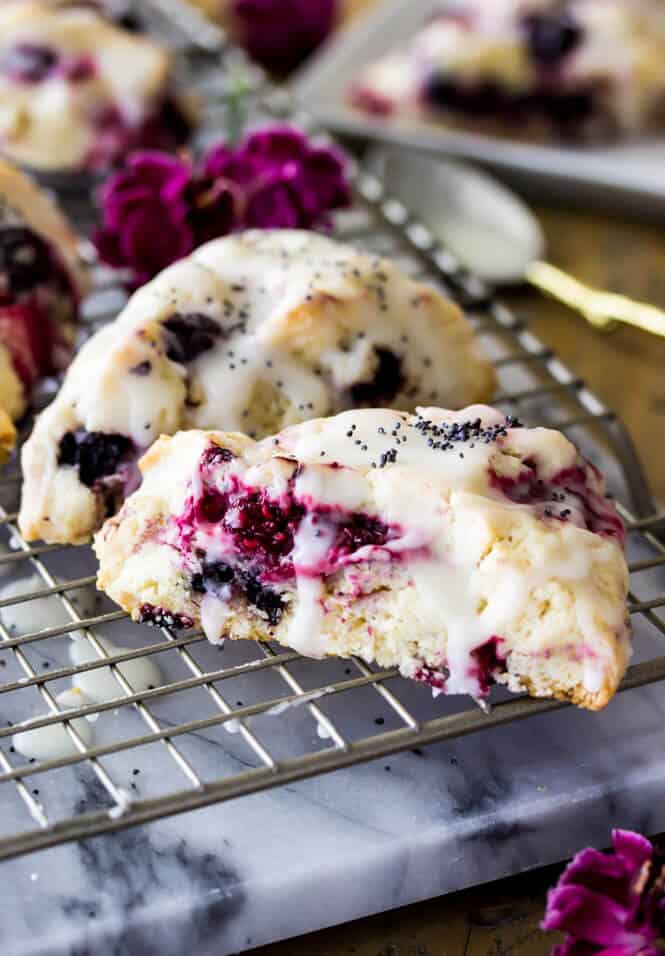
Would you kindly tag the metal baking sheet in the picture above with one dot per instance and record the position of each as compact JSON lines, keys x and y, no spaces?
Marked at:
{"x":627,"y":177}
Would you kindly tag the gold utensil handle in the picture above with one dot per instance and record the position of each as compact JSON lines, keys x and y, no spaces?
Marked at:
{"x":602,"y":309}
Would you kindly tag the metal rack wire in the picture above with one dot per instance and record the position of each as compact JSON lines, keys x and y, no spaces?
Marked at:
{"x":533,"y":381}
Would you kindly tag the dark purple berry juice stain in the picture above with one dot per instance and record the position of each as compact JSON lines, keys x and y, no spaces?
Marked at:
{"x":262,"y":532}
{"x":78,"y":69}
{"x":29,"y":62}
{"x":566,"y":496}
{"x":488,"y":662}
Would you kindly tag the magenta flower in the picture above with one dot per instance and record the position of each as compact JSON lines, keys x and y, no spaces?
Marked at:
{"x":159,"y":208}
{"x":289,"y":182}
{"x":611,"y":905}
{"x":145,"y":222}
{"x":280,"y":34}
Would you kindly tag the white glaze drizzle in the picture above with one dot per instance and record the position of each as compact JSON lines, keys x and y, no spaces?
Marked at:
{"x":99,"y":684}
{"x":322,"y":731}
{"x":215,"y":613}
{"x":94,"y":686}
{"x":54,"y":741}
{"x":36,"y":614}
{"x":285,"y":705}
{"x":310,"y":546}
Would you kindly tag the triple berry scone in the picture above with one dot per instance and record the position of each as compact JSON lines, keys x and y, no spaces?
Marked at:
{"x":580,"y":69}
{"x":459,"y":547}
{"x":7,"y":435}
{"x":250,"y":333}
{"x":77,"y":91}
{"x":41,"y":281}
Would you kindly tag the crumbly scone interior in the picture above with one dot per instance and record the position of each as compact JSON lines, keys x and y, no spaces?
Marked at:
{"x":12,"y":393}
{"x":7,"y":435}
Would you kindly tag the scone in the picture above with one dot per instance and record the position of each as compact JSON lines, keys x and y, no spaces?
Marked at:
{"x":7,"y":435}
{"x":77,"y":91}
{"x":252,"y":333}
{"x":41,"y":281}
{"x":578,"y":69}
{"x":459,"y":547}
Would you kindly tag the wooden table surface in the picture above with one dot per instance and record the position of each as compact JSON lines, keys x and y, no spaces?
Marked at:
{"x":626,"y":369}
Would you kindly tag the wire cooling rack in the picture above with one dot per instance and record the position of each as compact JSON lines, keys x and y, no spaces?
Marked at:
{"x":197,"y":696}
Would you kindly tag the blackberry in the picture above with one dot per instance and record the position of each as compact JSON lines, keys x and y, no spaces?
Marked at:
{"x":385,"y":383}
{"x":551,"y":37}
{"x":217,"y":574}
{"x":95,"y":454}
{"x":484,"y":98}
{"x":267,"y":600}
{"x":358,"y":531}
{"x":160,"y":617}
{"x":212,"y":576}
{"x":215,"y":455}
{"x":190,"y":335}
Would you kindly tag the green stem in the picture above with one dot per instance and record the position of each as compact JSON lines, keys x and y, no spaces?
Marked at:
{"x":237,"y":105}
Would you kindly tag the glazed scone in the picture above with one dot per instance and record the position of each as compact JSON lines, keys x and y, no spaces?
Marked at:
{"x":251,"y":332}
{"x":41,"y":282}
{"x":77,"y":91}
{"x":457,"y":546}
{"x":535,"y":68}
{"x":7,"y":435}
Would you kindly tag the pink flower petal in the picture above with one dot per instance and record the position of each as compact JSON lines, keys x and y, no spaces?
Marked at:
{"x":633,"y":847}
{"x":274,"y":206}
{"x":150,"y":242}
{"x":588,"y":915}
{"x":601,"y":873}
